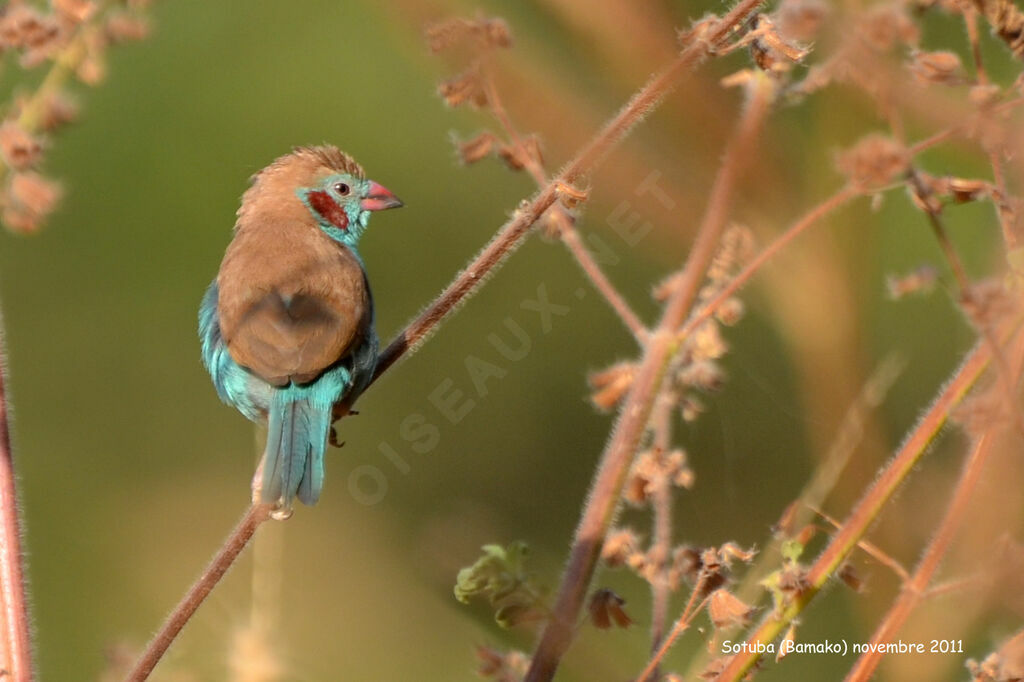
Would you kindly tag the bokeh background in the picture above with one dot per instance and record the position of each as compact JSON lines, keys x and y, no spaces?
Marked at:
{"x":132,"y":471}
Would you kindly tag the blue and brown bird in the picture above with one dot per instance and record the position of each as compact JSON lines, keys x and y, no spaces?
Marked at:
{"x":287,"y":327}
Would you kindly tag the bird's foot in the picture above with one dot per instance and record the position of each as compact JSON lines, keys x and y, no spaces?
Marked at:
{"x":333,"y":440}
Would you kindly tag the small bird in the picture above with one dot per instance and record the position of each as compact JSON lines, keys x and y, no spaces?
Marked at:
{"x":287,"y":327}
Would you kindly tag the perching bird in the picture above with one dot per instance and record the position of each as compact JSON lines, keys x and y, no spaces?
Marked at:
{"x":287,"y":327}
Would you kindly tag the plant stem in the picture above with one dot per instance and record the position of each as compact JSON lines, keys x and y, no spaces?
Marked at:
{"x":15,"y":636}
{"x":512,"y":233}
{"x":222,"y":561}
{"x":636,"y":408}
{"x":660,"y":551}
{"x":566,"y":221}
{"x":914,"y":589}
{"x":867,"y":510}
{"x":810,"y":218}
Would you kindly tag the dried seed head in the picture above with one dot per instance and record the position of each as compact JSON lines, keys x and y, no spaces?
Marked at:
{"x":919,"y":281}
{"x":517,"y":157}
{"x":987,"y":302}
{"x":874,"y":162}
{"x":570,"y":196}
{"x":605,"y":607}
{"x":800,"y":19}
{"x":58,"y":109}
{"x":937,"y":67}
{"x":477,"y":148}
{"x":730,"y":311}
{"x":611,"y":384}
{"x":20,"y":150}
{"x":124,"y":27}
{"x":75,"y":11}
{"x":24,"y":27}
{"x":726,"y":609}
{"x":621,"y":544}
{"x":462,"y":89}
{"x":30,"y":199}
{"x":884,"y":27}
{"x":772,"y":51}
{"x":486,"y":32}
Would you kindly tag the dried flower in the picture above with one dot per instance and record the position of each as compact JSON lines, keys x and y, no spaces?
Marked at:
{"x":476,"y":148}
{"x":726,"y":609}
{"x":570,"y":196}
{"x":463,"y":88}
{"x":126,"y":27}
{"x":486,"y":31}
{"x":884,"y":27}
{"x":75,"y":11}
{"x":605,"y":607}
{"x":919,"y":281}
{"x":502,"y":667}
{"x":611,"y":384}
{"x":19,"y":149}
{"x":30,"y":198}
{"x":517,"y":157}
{"x":937,"y":67}
{"x":620,"y":544}
{"x":874,"y":162}
{"x":800,"y":19}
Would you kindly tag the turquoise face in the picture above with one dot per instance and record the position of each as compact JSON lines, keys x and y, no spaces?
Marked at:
{"x":335,"y":205}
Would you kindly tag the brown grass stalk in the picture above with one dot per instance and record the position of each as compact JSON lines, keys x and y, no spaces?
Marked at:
{"x":867,"y":510}
{"x":15,"y":630}
{"x":200,"y":590}
{"x":914,"y":589}
{"x":635,"y":412}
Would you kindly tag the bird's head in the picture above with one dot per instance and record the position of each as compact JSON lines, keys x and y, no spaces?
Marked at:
{"x":331,"y":187}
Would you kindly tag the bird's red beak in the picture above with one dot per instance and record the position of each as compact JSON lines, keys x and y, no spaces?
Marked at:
{"x":379,"y":198}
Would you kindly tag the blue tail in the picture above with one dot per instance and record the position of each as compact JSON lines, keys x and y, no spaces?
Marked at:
{"x":296,"y":439}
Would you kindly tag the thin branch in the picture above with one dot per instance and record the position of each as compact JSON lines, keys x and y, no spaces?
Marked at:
{"x":681,"y":625}
{"x":809,"y":219}
{"x":914,"y":589}
{"x":867,"y":510}
{"x":636,"y":408}
{"x":512,"y":233}
{"x":222,"y":561}
{"x":566,"y":221}
{"x":15,"y":636}
{"x":661,"y":545}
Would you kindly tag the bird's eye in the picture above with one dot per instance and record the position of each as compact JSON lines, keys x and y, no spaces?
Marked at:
{"x":342,"y":189}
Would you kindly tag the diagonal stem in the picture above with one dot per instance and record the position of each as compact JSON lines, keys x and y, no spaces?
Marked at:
{"x":200,"y":590}
{"x":15,"y":637}
{"x":636,"y":409}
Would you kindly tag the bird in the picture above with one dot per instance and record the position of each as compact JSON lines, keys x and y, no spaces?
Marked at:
{"x":286,"y":328}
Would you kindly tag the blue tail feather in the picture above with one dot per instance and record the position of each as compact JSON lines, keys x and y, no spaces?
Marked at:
{"x":296,"y":440}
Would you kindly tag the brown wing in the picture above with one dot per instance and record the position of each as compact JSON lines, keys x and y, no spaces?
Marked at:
{"x":289,"y":318}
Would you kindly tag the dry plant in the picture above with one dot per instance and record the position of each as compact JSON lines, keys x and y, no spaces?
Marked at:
{"x":66,"y":39}
{"x":794,"y":51}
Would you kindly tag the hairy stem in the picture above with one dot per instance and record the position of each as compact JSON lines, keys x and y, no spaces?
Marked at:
{"x":914,"y":589}
{"x":566,"y":222}
{"x":636,"y":408}
{"x":222,"y":561}
{"x":512,"y":233}
{"x":867,"y":510}
{"x":15,"y":637}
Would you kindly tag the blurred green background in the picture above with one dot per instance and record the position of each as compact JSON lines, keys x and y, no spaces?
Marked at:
{"x":132,"y":471}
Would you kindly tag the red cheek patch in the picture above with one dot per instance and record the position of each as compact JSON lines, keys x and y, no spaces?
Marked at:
{"x":329,"y":210}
